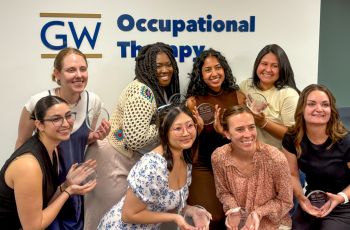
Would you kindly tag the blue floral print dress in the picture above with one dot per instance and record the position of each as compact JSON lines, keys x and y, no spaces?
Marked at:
{"x":148,"y":179}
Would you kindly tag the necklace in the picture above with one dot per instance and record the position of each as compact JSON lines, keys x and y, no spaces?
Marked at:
{"x":71,"y":105}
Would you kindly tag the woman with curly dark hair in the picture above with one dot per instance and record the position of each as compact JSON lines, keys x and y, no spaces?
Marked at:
{"x":133,"y":130}
{"x":213,"y":85}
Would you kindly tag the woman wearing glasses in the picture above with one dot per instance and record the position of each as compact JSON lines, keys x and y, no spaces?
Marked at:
{"x":158,"y":183}
{"x":30,"y":193}
{"x":71,"y":74}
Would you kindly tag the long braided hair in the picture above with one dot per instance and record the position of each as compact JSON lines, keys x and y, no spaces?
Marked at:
{"x":146,"y":71}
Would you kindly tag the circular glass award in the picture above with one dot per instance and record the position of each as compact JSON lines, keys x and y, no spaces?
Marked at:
{"x":207,"y":112}
{"x":200,"y":220}
{"x":236,"y":219}
{"x":317,"y":198}
{"x":175,"y":99}
{"x":95,"y":117}
{"x":256,"y":102}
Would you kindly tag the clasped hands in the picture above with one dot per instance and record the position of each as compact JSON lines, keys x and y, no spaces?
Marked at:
{"x":236,"y":217}
{"x":333,"y":201}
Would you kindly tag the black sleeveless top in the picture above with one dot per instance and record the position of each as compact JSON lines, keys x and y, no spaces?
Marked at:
{"x":209,"y":139}
{"x":9,"y":218}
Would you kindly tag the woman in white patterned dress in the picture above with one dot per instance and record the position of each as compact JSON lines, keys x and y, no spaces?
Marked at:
{"x":158,"y":183}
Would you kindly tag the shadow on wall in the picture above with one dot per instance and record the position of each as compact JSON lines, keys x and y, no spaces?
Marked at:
{"x":344,"y":113}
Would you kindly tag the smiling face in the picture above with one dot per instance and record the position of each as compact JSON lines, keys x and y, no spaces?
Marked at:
{"x":165,"y":69}
{"x":73,"y":76}
{"x":317,"y":108}
{"x":213,"y":73}
{"x":242,"y":132}
{"x":182,"y":132}
{"x":268,"y":71}
{"x":51,"y":131}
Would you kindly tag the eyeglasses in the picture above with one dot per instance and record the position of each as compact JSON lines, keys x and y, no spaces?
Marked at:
{"x":179,"y":130}
{"x":58,"y":120}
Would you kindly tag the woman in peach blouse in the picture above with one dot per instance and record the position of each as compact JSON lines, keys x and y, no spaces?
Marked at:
{"x":251,"y":175}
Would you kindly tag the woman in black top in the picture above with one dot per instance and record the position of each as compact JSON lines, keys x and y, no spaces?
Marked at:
{"x":30,"y":196}
{"x":319,"y":145}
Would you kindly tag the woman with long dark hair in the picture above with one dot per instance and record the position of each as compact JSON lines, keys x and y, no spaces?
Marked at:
{"x":211,"y":83}
{"x":30,"y":191}
{"x":133,"y":127}
{"x":158,"y":183}
{"x":273,"y":78}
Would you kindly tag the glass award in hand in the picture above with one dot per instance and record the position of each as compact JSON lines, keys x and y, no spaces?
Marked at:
{"x":83,"y":173}
{"x":317,"y":198}
{"x":197,"y":216}
{"x":236,"y":218}
{"x":207,"y":112}
{"x":95,"y":117}
{"x":256,"y":102}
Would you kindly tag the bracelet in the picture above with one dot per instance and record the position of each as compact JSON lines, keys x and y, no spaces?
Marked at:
{"x":67,"y":193}
{"x":346,"y":198}
{"x":63,"y":186}
{"x":236,"y":209}
{"x":264,"y":125}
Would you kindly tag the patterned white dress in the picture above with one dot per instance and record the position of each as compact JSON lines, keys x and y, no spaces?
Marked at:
{"x":148,"y":179}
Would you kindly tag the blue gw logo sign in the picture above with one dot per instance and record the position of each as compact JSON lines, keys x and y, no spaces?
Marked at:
{"x":54,"y":40}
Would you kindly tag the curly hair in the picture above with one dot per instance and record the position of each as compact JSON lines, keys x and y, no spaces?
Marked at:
{"x":197,"y":86}
{"x":335,"y":128}
{"x":146,"y":70}
{"x":286,"y":74}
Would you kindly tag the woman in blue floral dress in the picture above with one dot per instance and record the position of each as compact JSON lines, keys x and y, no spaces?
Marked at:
{"x":158,"y":183}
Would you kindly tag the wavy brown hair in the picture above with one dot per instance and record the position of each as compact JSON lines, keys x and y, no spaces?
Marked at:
{"x":335,"y":128}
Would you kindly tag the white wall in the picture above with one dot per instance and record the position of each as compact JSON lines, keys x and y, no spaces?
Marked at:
{"x":294,"y":25}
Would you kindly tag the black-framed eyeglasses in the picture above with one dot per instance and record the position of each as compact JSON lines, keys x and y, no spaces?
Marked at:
{"x":57,"y":121}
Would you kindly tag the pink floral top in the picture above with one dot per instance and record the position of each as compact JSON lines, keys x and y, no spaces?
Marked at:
{"x":267,"y":190}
